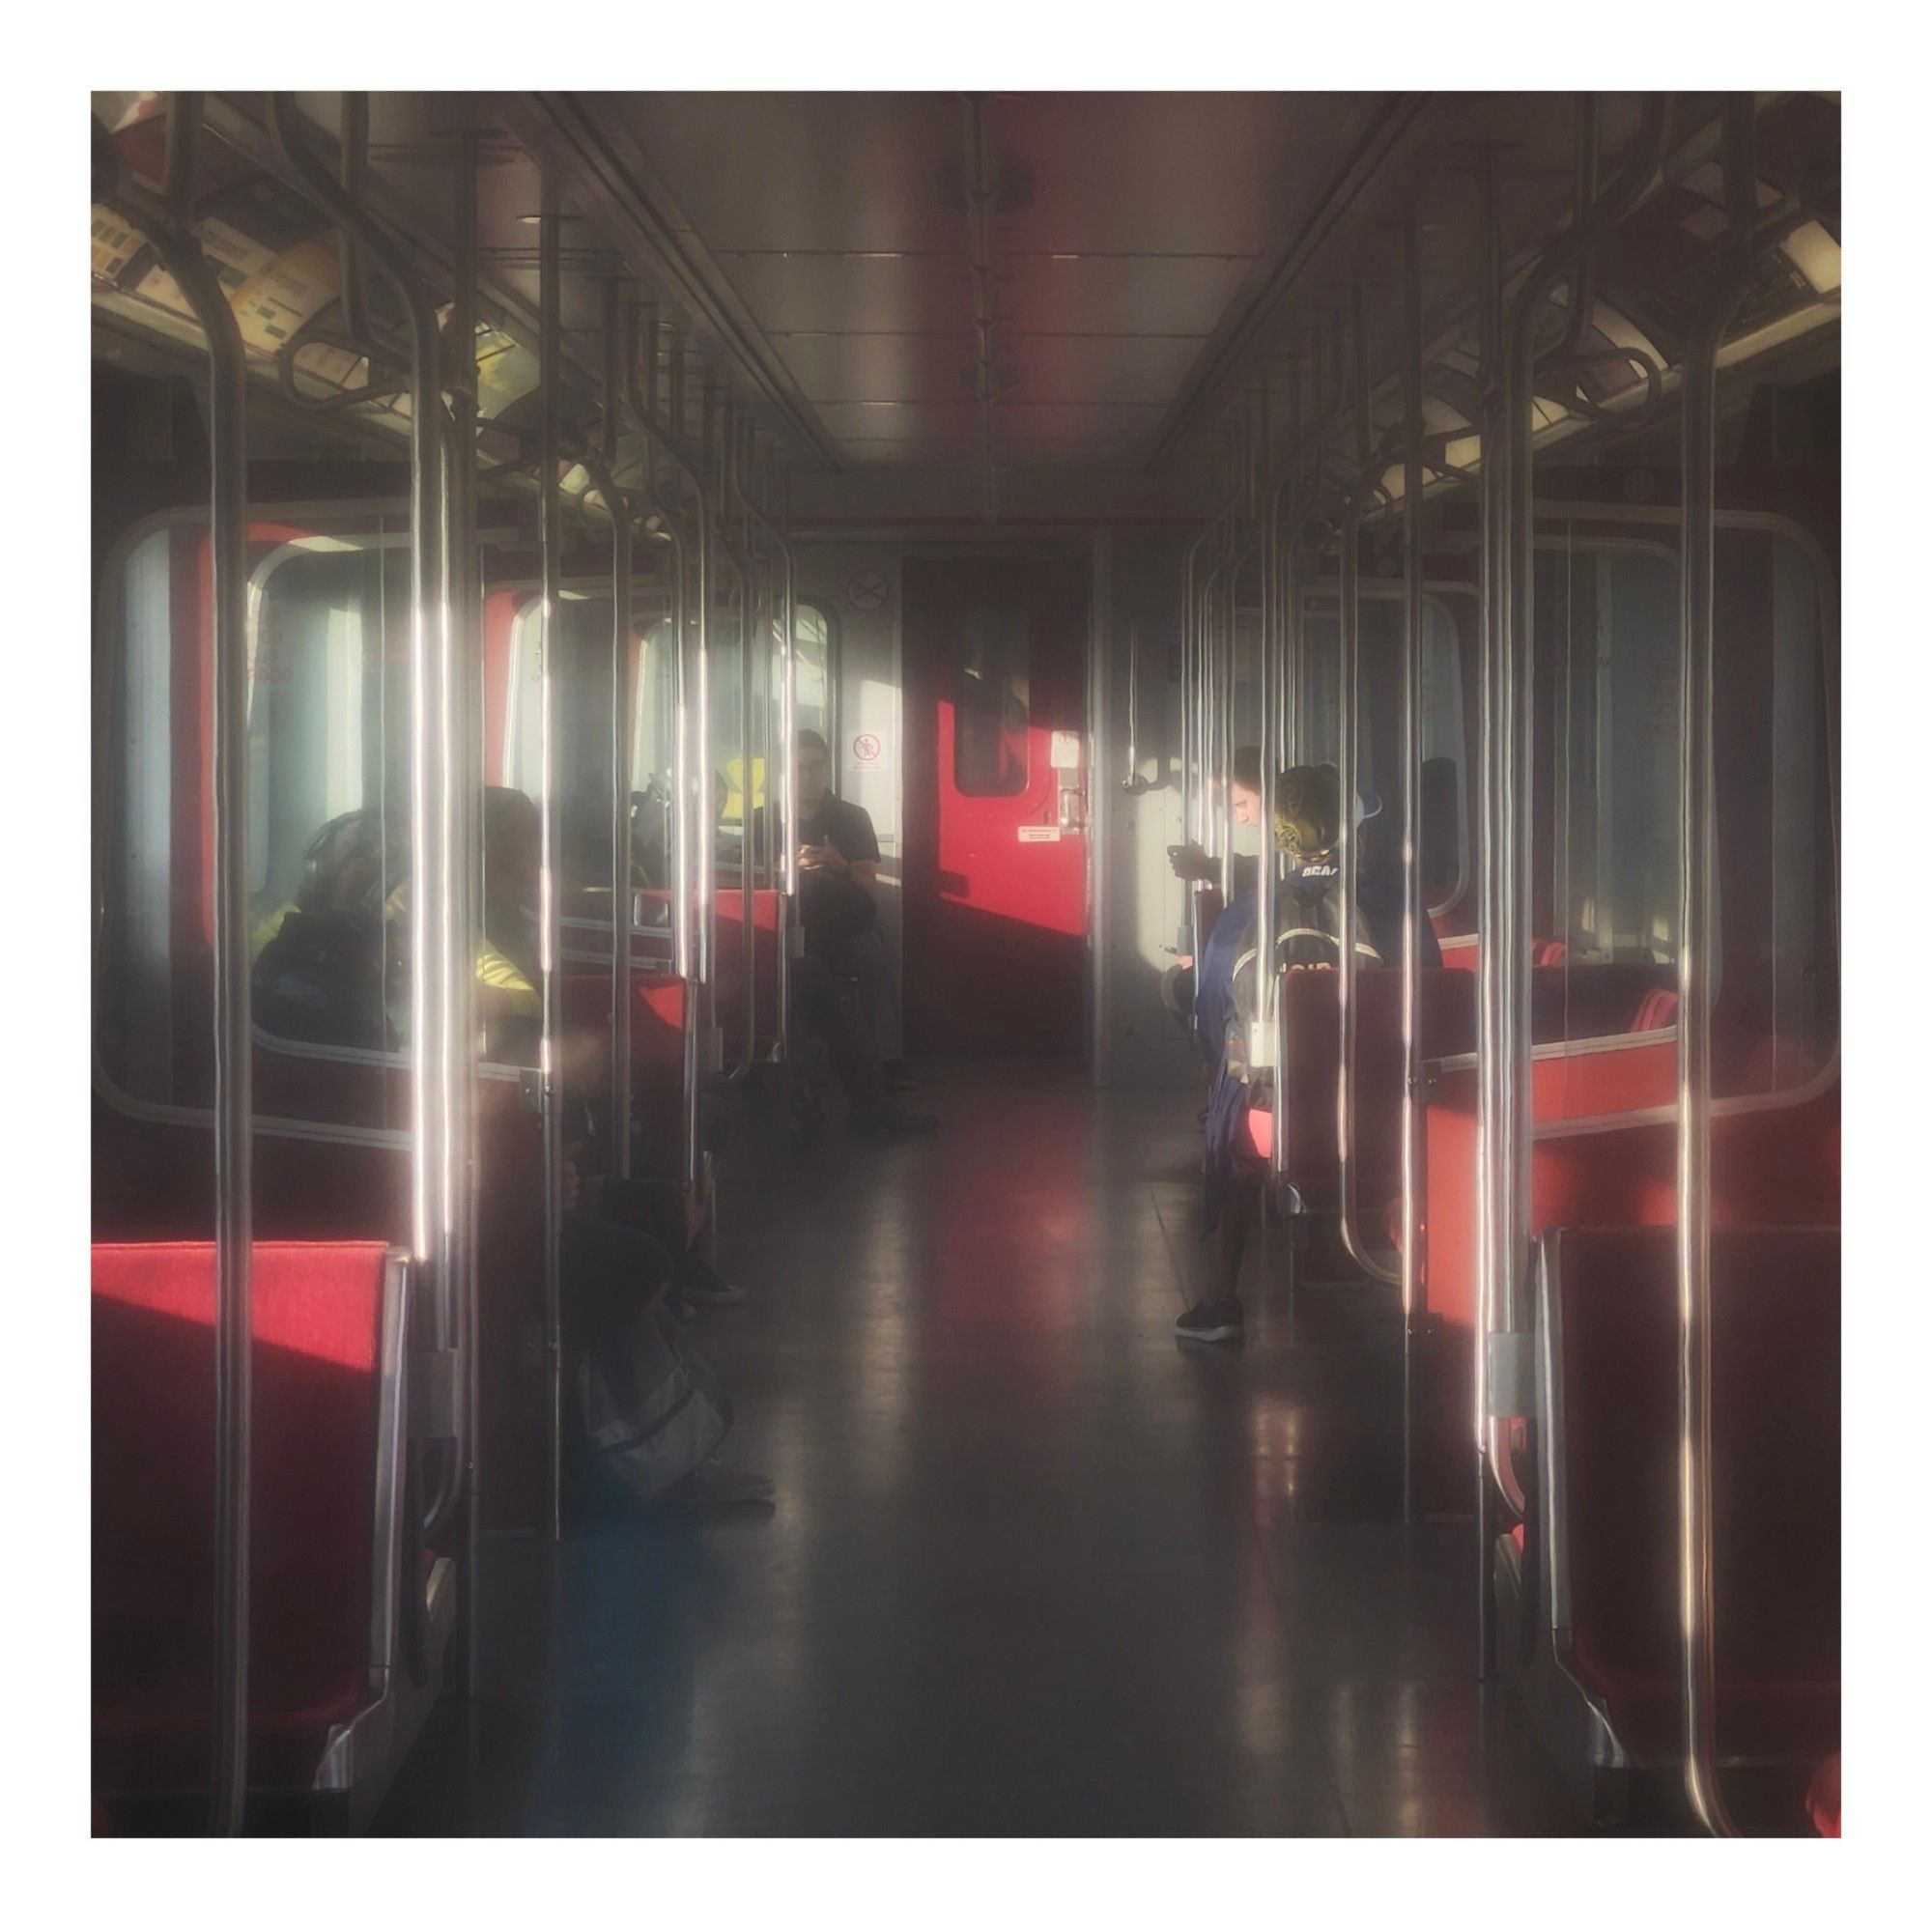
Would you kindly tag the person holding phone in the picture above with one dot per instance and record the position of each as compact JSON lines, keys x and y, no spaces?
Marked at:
{"x":838,"y":872}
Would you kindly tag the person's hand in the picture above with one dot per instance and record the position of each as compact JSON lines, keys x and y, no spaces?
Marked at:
{"x":1191,"y":864}
{"x":570,"y":1187}
{"x":824,"y":857}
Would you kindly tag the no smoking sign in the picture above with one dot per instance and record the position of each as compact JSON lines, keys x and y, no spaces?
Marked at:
{"x":867,"y":589}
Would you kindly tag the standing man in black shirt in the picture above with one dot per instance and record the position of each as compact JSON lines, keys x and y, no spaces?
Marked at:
{"x":839,"y":871}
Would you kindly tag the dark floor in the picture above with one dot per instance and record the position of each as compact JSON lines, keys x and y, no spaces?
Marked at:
{"x":1033,"y":1568}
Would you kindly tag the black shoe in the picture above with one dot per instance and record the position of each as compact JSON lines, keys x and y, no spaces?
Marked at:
{"x":700,"y":1286}
{"x":886,"y":1121}
{"x":1211,"y":1319}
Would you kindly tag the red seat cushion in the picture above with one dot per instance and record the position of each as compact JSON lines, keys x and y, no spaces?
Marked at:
{"x":317,"y":1358}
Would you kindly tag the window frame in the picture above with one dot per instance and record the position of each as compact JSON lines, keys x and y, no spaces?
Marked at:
{"x":833,"y":673}
{"x":108,"y":693}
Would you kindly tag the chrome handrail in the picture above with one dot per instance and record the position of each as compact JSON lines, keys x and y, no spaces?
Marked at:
{"x":1508,"y":557}
{"x":1414,"y":909}
{"x":1699,"y":911}
{"x":550,"y":538}
{"x":1367,"y":482}
{"x":604,"y":484}
{"x":784,"y":754}
{"x":692,"y":755}
{"x":167,"y":224}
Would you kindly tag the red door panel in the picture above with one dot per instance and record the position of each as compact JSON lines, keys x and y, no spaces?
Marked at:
{"x":995,"y":652}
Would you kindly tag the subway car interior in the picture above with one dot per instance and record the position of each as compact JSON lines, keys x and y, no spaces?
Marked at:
{"x":708,"y":1215}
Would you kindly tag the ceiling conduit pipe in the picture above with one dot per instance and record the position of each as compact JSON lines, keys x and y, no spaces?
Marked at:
{"x":166,"y":222}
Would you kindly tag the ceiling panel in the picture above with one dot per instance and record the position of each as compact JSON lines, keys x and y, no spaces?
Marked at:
{"x":1098,"y":367}
{"x":836,"y":366}
{"x":804,"y":170}
{"x":918,"y":292}
{"x":1129,"y":294}
{"x":1165,"y":172}
{"x":901,"y":421}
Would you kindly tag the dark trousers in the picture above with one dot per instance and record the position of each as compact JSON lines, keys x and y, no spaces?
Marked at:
{"x":841,"y":991}
{"x":622,"y":1250}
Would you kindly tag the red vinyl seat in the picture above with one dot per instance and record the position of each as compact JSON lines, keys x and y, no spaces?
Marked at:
{"x":1581,"y":1001}
{"x":1610,"y":1314}
{"x":329,"y":1326}
{"x":1658,"y":1012}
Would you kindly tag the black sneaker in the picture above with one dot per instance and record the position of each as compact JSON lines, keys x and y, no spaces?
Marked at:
{"x":700,"y":1286}
{"x":1211,"y":1319}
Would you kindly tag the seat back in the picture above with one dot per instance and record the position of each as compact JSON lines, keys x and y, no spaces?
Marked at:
{"x":1305,"y":1083}
{"x":329,"y":1331}
{"x":1608,"y":1321}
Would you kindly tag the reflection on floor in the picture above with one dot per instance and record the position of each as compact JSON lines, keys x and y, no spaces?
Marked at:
{"x":1033,"y":1568}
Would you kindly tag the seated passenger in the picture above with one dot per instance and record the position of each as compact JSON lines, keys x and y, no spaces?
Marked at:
{"x":838,"y":869}
{"x":318,"y":962}
{"x":1307,"y":832}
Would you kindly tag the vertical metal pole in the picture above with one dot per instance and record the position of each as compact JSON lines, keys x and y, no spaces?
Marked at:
{"x":1504,"y":1136}
{"x":788,"y":766}
{"x":697,"y":810}
{"x":1489,"y":869}
{"x":465,"y":601}
{"x":1268,"y":859}
{"x":731,"y":482}
{"x":167,"y":224}
{"x":1696,"y":951}
{"x":1289,"y":671}
{"x":705,"y":849}
{"x":1413,"y":909}
{"x":550,"y":372}
{"x":1348,"y":706}
{"x":623,"y":723}
{"x":434,"y":964}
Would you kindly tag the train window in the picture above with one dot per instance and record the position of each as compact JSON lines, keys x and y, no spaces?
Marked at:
{"x":1607,"y":624}
{"x":329,"y":824}
{"x":1445,"y":785}
{"x":327,"y":702}
{"x":1611,"y":666}
{"x":992,"y":703}
{"x":817,"y":673}
{"x":581,"y":722}
{"x":1776,"y":1024}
